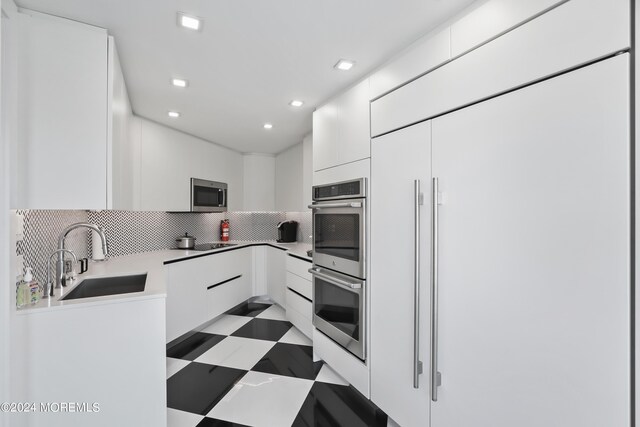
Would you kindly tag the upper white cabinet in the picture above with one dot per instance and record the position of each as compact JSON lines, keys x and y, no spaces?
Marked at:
{"x":169,"y":159}
{"x":572,"y":34}
{"x":341,"y":129}
{"x":62,"y":114}
{"x":294,"y":173}
{"x":259,"y":191}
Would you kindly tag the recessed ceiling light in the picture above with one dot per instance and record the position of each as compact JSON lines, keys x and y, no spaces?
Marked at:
{"x":173,"y":114}
{"x":344,"y":65}
{"x":296,"y":103}
{"x":179,"y":82}
{"x":189,"y":22}
{"x":268,"y":126}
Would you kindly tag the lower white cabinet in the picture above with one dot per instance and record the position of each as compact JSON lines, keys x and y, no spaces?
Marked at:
{"x":532,"y":326}
{"x":275,"y":274}
{"x":298,"y":295}
{"x":202,"y":288}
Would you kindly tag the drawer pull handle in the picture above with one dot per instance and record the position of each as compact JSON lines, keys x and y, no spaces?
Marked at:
{"x":224,"y":281}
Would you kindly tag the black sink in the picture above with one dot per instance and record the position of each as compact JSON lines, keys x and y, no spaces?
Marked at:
{"x":101,"y":286}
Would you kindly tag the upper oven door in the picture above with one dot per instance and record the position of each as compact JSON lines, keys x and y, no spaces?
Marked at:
{"x":208,"y":196}
{"x":339,"y":236}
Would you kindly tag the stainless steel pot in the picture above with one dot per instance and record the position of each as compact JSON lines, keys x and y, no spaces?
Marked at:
{"x":186,"y":242}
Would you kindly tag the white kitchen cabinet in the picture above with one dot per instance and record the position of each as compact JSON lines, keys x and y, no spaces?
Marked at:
{"x":200,"y":289}
{"x":341,"y":129}
{"x":491,"y":18}
{"x":534,"y":255}
{"x":398,"y":160}
{"x":168,"y":161}
{"x":572,"y":34}
{"x":232,"y":284}
{"x":533,"y":321}
{"x":72,"y":143}
{"x":276,"y":274}
{"x":62,"y":101}
{"x":293,"y":176}
{"x":111,"y":353}
{"x":298,"y":295}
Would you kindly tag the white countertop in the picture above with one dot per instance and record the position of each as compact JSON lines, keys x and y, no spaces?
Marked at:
{"x":151,"y":263}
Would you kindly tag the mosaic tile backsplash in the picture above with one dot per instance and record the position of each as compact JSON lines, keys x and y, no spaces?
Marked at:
{"x":133,"y":232}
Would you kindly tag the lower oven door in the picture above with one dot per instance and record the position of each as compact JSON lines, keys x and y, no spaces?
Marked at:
{"x":339,"y":309}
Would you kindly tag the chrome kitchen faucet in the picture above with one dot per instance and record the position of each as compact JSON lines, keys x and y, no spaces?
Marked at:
{"x":63,"y":235}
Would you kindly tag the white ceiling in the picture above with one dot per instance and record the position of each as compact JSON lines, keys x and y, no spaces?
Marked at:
{"x":251,"y":59}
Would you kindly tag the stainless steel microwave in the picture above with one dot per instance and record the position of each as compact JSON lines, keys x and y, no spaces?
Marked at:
{"x":208,"y":196}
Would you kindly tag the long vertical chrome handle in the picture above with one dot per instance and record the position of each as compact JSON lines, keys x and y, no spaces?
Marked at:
{"x":435,"y":375}
{"x":417,"y":364}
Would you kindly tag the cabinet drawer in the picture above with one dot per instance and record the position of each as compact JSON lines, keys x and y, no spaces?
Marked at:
{"x":299,"y":267}
{"x":227,"y":294}
{"x":298,"y":284}
{"x":299,"y":304}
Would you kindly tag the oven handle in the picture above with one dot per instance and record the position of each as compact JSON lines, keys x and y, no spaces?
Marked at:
{"x":335,"y":205}
{"x":335,"y":281}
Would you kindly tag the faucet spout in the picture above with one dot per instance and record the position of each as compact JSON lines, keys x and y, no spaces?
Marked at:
{"x":63,"y":235}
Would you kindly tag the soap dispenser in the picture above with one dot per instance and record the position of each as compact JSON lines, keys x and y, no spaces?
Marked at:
{"x":22,"y":294}
{"x":34,"y":292}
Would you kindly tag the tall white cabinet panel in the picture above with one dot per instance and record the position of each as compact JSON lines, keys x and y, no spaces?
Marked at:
{"x":534,"y":321}
{"x":397,"y":161}
{"x":276,"y":274}
{"x":341,"y":129}
{"x":62,"y":85}
{"x":325,"y":133}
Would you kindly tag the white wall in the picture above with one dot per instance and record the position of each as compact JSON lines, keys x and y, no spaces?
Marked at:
{"x":259,"y":182}
{"x":294,"y":175}
{"x":169,"y":159}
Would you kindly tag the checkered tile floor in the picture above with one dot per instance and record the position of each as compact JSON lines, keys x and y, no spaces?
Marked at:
{"x":253,"y":368}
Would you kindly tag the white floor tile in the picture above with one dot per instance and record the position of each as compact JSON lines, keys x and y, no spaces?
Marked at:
{"x":227,"y":324}
{"x":273,"y":400}
{"x":174,"y":365}
{"x":294,"y":336}
{"x":236,"y":352}
{"x":328,"y":375}
{"x":275,"y":312}
{"x":177,"y":418}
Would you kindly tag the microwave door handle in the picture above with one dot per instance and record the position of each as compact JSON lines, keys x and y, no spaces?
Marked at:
{"x":335,"y":281}
{"x":224,"y":197}
{"x":335,"y":205}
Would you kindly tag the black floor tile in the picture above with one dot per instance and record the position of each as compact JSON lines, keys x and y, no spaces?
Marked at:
{"x":212,"y":422}
{"x":194,"y":346}
{"x":250,"y":309}
{"x":291,"y":360}
{"x":263,"y":329}
{"x":198,"y":387}
{"x":338,"y":405}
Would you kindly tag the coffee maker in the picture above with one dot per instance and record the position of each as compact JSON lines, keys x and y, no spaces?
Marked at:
{"x":287,"y":231}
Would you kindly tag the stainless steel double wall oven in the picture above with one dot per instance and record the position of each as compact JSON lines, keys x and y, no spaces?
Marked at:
{"x":339,"y":263}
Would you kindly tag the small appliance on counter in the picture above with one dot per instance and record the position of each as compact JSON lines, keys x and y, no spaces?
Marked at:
{"x":287,"y":231}
{"x":186,"y":242}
